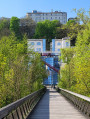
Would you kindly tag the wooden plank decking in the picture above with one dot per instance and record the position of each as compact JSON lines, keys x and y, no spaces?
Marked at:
{"x":54,"y":106}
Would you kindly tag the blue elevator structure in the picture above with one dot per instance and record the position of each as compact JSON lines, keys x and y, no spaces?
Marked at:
{"x":52,"y":64}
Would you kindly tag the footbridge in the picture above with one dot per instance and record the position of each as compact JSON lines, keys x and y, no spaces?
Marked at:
{"x":49,"y":103}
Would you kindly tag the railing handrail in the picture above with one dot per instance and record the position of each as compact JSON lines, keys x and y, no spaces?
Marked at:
{"x":7,"y":109}
{"x":81,"y":101}
{"x":77,"y":95}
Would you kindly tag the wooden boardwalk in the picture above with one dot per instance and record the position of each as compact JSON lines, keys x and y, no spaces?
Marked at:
{"x":54,"y":106}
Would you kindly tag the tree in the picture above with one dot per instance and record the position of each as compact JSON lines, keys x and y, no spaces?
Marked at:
{"x":75,"y":76}
{"x":37,"y":72}
{"x":72,"y":31}
{"x":82,"y":60}
{"x":66,"y":77}
{"x":20,"y":71}
{"x":82,"y":15}
{"x":71,"y":22}
{"x":61,"y":32}
{"x":46,"y":29}
{"x":14,"y":26}
{"x":27,"y":26}
{"x":67,"y":54}
{"x":4,"y":27}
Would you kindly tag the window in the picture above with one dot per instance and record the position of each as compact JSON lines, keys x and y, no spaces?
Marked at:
{"x":32,"y":43}
{"x":39,"y":49}
{"x":58,"y":50}
{"x":38,"y":43}
{"x":67,"y":43}
{"x":51,"y":17}
{"x":37,"y":14}
{"x":58,"y":43}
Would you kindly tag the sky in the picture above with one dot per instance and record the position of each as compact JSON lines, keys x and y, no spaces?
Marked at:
{"x":19,"y":8}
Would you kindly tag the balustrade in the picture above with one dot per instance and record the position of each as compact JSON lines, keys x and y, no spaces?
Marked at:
{"x":81,"y":101}
{"x":22,"y":107}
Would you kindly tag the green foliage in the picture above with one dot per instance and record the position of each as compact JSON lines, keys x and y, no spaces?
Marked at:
{"x":61,"y":32}
{"x":21,"y":72}
{"x":18,"y":26}
{"x":3,"y":23}
{"x":4,"y":27}
{"x":73,"y":31}
{"x":75,"y":76}
{"x":14,"y":25}
{"x":46,"y":29}
{"x":71,"y":22}
{"x":27,"y":26}
{"x":67,"y":54}
{"x":70,"y":29}
{"x":36,"y":71}
{"x":82,"y":15}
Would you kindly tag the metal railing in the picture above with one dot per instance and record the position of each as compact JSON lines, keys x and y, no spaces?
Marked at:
{"x":22,"y":107}
{"x":80,"y":101}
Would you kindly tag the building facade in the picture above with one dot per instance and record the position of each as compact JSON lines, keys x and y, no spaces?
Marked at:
{"x":37,"y":45}
{"x":41,"y":16}
{"x":58,"y":44}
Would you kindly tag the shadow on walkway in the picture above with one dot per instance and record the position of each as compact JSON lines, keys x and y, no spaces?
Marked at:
{"x":41,"y":110}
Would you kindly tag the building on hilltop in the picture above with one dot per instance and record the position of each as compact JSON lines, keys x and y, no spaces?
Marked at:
{"x":41,"y":16}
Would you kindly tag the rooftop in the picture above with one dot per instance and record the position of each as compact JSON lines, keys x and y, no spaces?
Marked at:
{"x":35,"y":39}
{"x":37,"y":12}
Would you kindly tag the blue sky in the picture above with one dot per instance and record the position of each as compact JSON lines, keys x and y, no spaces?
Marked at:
{"x":19,"y":8}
